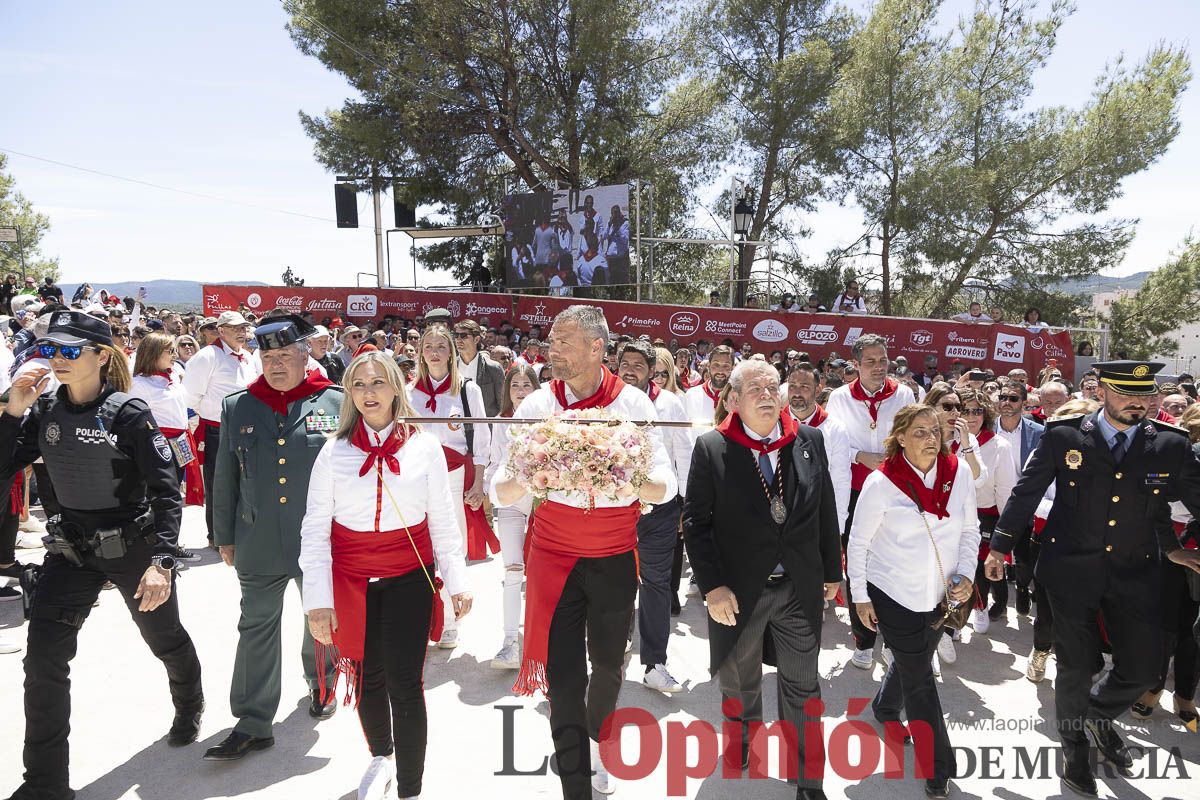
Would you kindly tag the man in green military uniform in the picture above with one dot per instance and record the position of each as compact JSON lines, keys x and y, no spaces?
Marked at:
{"x":270,"y":436}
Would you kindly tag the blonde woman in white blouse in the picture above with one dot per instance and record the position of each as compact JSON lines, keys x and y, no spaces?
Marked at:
{"x":379,"y":519}
{"x":914,"y":539}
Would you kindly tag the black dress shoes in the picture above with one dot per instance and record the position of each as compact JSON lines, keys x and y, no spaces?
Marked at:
{"x":319,"y":710}
{"x":1080,"y":780}
{"x":1024,"y":602}
{"x":937,"y":788}
{"x":736,"y":755}
{"x":810,"y":794}
{"x":1109,"y":743}
{"x":236,"y":745}
{"x":185,"y":728}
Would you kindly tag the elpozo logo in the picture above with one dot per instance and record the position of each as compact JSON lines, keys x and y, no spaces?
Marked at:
{"x":684,"y":323}
{"x":817,"y":334}
{"x":769,"y":330}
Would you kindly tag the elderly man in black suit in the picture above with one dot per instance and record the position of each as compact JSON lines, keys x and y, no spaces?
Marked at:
{"x":761,"y":527}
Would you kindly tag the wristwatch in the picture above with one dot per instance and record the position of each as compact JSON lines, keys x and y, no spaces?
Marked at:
{"x":166,"y":563}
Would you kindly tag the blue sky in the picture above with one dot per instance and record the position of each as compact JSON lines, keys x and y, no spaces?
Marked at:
{"x":204,"y":97}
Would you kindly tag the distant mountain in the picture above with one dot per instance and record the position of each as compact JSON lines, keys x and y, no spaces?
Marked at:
{"x":158,"y":293}
{"x":1104,"y":283}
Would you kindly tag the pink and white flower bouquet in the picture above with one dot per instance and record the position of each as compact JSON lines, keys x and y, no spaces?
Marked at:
{"x":609,"y":458}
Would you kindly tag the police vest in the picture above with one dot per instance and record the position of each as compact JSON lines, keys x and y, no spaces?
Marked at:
{"x":81,"y":455}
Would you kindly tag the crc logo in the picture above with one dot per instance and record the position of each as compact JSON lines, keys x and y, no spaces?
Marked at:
{"x":920,"y":338}
{"x":362,"y":305}
{"x":768,"y":330}
{"x":684,"y":323}
{"x":254,"y":300}
{"x":817,"y":334}
{"x":1010,"y":348}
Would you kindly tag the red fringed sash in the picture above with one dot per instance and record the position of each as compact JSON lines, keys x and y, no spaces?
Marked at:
{"x":358,"y":557}
{"x":480,"y":537}
{"x":192,"y":476}
{"x":562,"y":535}
{"x":16,"y":495}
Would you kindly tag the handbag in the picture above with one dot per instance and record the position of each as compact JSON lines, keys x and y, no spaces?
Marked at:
{"x":950,"y":615}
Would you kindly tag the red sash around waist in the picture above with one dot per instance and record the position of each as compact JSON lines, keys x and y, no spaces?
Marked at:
{"x":357,"y":557}
{"x":200,"y":431}
{"x":193,"y":479}
{"x":480,"y":537}
{"x":858,"y":475}
{"x":562,"y":535}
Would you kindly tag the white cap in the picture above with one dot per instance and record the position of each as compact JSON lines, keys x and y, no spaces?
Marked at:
{"x":231,"y":318}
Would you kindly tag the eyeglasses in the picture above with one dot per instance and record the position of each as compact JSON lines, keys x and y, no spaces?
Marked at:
{"x":463,"y":335}
{"x":187,"y":344}
{"x":1010,"y":398}
{"x":662,"y":374}
{"x":69,"y":351}
{"x":973,"y":412}
{"x":951,"y":407}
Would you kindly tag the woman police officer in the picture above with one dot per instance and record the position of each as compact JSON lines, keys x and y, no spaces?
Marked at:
{"x":115,"y":477}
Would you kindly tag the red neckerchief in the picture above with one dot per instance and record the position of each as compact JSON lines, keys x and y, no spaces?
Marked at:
{"x":313,"y":382}
{"x":653,"y":390}
{"x":906,"y":479}
{"x":426,"y":386}
{"x":166,"y":375}
{"x":858,"y":393}
{"x":220,"y":343}
{"x":818,"y":416}
{"x":711,"y":394}
{"x":384,"y":452}
{"x":983,"y":438}
{"x":610,"y":387}
{"x":731,"y":428}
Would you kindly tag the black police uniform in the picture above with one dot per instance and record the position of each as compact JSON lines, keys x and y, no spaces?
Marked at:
{"x":111,"y":467}
{"x":1100,"y":553}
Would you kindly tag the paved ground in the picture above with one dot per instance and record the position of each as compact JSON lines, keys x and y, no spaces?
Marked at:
{"x":122,"y":712}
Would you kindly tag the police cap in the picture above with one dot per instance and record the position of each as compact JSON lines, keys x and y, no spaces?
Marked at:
{"x":76,"y":328}
{"x":1129,"y":377}
{"x":281,"y":331}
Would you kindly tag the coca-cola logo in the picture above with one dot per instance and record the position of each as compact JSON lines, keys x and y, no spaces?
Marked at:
{"x":920,"y":338}
{"x":293,"y":304}
{"x":768,"y":330}
{"x":684,"y":323}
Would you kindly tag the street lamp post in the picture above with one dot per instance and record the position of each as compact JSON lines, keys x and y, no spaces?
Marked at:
{"x":743,"y":219}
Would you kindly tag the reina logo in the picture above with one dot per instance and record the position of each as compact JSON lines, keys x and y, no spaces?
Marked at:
{"x":920,"y":338}
{"x":362,"y":305}
{"x":768,"y":330}
{"x":684,"y":323}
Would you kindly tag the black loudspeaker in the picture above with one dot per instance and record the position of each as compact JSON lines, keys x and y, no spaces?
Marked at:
{"x":405,"y":217}
{"x":345,"y":197}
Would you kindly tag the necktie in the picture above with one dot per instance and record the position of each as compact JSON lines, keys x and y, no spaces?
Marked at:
{"x":1118,"y":448}
{"x":764,"y":464}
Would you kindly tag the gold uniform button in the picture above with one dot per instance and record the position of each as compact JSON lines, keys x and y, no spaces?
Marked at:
{"x":1116,"y":499}
{"x":1109,"y":548}
{"x":282,"y":461}
{"x":281,"y":442}
{"x":1156,"y":491}
{"x":283,"y":500}
{"x":1118,"y":476}
{"x":1051,"y":538}
{"x":1112,"y":523}
{"x":282,"y":481}
{"x":1072,"y":483}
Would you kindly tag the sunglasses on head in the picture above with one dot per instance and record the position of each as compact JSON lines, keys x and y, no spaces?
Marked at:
{"x":69,"y":351}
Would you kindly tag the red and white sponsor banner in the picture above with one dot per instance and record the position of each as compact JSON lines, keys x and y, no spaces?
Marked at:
{"x":999,"y":347}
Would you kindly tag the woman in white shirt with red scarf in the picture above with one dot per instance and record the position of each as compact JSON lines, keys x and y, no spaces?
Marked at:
{"x":439,"y":391}
{"x":379,"y":517}
{"x":914,"y":539}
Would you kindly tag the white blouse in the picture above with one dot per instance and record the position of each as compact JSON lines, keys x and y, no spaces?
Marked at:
{"x":1000,"y":476}
{"x":889,"y":545}
{"x":454,"y":435}
{"x":167,"y":401}
{"x":500,"y":439}
{"x":335,"y":491}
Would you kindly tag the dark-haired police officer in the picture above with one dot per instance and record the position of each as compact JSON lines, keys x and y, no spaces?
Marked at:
{"x":1114,"y":471}
{"x":271,"y":433}
{"x":114,"y":474}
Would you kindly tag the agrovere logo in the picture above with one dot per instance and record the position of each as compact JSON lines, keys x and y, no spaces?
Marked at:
{"x":769,"y":330}
{"x":684,"y":323}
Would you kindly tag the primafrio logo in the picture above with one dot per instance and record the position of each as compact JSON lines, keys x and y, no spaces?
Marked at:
{"x":1009,"y":348}
{"x":254,"y":300}
{"x":769,"y":330}
{"x":362,"y":305}
{"x":636,"y":322}
{"x":684,"y":323}
{"x":817,"y":334}
{"x":920,"y":338}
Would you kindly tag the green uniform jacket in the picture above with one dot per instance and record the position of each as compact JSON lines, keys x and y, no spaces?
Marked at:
{"x":260,"y":489}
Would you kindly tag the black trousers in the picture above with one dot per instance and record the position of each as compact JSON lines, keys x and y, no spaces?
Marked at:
{"x":1024,"y":553}
{"x":10,"y":521}
{"x":1043,"y":623}
{"x":212,"y":441}
{"x":392,"y":705}
{"x":657,"y":536}
{"x":864,"y":637}
{"x":590,"y":622}
{"x":677,"y":564}
{"x":1179,"y":614}
{"x":63,"y":601}
{"x":908,"y":685}
{"x":1132,"y":620}
{"x":983,"y":586}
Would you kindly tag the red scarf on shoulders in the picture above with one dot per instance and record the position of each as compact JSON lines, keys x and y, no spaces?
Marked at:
{"x":983,"y":438}
{"x":714,"y":396}
{"x":241,"y":356}
{"x":906,"y":479}
{"x":165,"y":375}
{"x":859,"y":393}
{"x":278,"y":402}
{"x":426,"y":386}
{"x":610,"y":387}
{"x":653,"y":390}
{"x":818,"y":416}
{"x":384,"y":452}
{"x":731,"y":428}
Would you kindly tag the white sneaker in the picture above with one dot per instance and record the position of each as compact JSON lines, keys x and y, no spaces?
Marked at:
{"x":449,"y":640}
{"x":8,"y":646}
{"x":509,"y":656}
{"x":27,"y":540}
{"x":937,"y":666}
{"x":693,"y":589}
{"x":862,"y":658}
{"x":660,"y":680}
{"x":32,"y":525}
{"x":957,"y":635}
{"x":379,"y":779}
{"x":601,"y":780}
{"x":946,"y":651}
{"x":886,"y":653}
{"x":980,"y":621}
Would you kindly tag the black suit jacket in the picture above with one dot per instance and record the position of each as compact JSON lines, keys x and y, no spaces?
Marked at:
{"x":1109,"y":521}
{"x":733,"y":541}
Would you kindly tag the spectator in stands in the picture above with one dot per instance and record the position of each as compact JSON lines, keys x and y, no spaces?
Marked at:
{"x":714,"y":299}
{"x":49,"y":292}
{"x":1154,"y":409}
{"x":321,"y":343}
{"x":787,"y":303}
{"x":8,"y":290}
{"x":206,"y":334}
{"x":1089,"y":387}
{"x":593,"y":268}
{"x":408,"y":368}
{"x":30,"y":286}
{"x":664,"y":371}
{"x":1085,"y":349}
{"x":752,"y":302}
{"x":813,"y":306}
{"x":1033,"y":320}
{"x":997,"y":314}
{"x":686,"y":376}
{"x":973,"y":315}
{"x":850,"y":301}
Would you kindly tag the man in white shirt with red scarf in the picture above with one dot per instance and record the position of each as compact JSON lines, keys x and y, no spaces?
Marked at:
{"x":582,"y":570}
{"x":865,"y":408}
{"x":802,"y":382}
{"x":700,"y":402}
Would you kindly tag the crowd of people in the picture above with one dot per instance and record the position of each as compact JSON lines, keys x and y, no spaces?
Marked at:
{"x":915,"y":496}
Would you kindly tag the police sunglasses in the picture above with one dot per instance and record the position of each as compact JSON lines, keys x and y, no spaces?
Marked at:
{"x":69,"y":351}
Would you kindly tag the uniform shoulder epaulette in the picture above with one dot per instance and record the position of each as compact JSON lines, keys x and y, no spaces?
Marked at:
{"x":336,"y":387}
{"x":1072,"y":420}
{"x":232,"y":395}
{"x":1168,"y":426}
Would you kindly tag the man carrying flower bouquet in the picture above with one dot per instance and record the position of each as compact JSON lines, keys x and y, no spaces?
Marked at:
{"x":581,"y":574}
